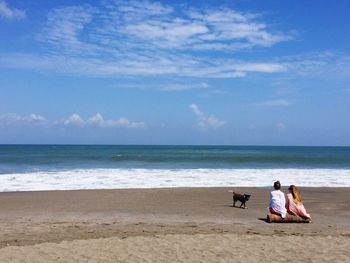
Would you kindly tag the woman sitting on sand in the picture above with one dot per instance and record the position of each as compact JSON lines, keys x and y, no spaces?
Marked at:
{"x":277,"y":201}
{"x":294,"y":203}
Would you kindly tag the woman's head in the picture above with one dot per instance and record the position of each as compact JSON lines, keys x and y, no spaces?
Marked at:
{"x":295,"y":193}
{"x":277,"y":185}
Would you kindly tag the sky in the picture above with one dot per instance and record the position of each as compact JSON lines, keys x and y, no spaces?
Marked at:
{"x":238,"y":72}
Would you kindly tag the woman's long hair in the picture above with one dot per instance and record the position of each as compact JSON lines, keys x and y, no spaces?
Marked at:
{"x":295,"y":193}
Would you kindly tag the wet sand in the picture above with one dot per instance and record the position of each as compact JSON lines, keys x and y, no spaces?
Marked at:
{"x":176,"y":224}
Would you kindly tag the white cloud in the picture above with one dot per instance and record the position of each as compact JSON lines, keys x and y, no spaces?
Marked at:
{"x":260,"y":67}
{"x":196,"y":111}
{"x":98,"y":121}
{"x":180,"y":66}
{"x":36,"y":118}
{"x":13,"y":118}
{"x":204,"y":122}
{"x":198,"y":29}
{"x":123,"y":122}
{"x":133,"y":38}
{"x":74,"y":119}
{"x":271,"y":103}
{"x":165,"y":86}
{"x":180,"y":86}
{"x":63,"y":27}
{"x":9,"y":118}
{"x":10,"y":13}
{"x":325,"y":64}
{"x":243,"y":29}
{"x":139,"y":9}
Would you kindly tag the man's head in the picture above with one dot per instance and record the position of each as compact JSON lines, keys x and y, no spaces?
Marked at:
{"x":277,"y":185}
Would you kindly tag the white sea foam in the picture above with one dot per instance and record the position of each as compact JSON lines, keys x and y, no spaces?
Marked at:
{"x":157,"y":178}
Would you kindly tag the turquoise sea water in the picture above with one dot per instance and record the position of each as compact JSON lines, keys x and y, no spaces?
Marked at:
{"x":22,"y":165}
{"x":26,"y":158}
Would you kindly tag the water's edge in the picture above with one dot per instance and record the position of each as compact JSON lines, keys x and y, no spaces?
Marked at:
{"x":164,"y":178}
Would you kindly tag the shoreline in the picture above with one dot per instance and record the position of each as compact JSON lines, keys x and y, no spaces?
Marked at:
{"x":84,"y":218}
{"x":170,"y":178}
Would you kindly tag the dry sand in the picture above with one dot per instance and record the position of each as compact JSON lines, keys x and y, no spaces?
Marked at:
{"x":167,"y":225}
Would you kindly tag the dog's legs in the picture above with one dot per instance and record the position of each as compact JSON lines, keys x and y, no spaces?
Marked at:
{"x":243,"y":205}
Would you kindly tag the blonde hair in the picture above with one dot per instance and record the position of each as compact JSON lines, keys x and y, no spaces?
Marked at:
{"x":296,"y":194}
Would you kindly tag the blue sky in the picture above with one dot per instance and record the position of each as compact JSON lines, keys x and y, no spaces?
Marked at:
{"x":175,"y":72}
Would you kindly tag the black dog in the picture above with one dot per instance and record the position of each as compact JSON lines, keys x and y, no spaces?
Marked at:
{"x":239,"y":197}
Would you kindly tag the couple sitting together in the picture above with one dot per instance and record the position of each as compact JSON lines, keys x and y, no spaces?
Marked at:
{"x":280,"y":205}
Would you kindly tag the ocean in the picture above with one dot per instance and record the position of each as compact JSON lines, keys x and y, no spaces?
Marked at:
{"x":61,"y":167}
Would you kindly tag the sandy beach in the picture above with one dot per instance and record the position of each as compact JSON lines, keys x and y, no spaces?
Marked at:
{"x":126,"y":126}
{"x":175,"y":224}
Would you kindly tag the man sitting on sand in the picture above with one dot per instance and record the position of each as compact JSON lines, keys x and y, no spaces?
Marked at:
{"x":277,"y":204}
